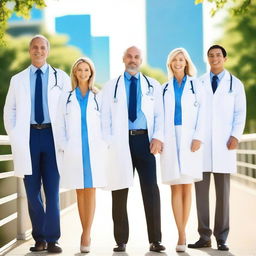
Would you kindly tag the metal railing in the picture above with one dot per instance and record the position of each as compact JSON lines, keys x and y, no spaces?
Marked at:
{"x":246,"y":160}
{"x":14,"y":218}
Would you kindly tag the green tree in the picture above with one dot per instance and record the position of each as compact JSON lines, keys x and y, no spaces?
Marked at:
{"x":239,"y":38}
{"x":156,"y":73}
{"x":14,"y":58}
{"x":235,"y":7}
{"x":19,"y":7}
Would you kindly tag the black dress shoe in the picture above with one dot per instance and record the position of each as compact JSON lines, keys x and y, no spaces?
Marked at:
{"x":201,"y":243}
{"x":156,"y":247}
{"x":54,"y":247}
{"x":39,"y":246}
{"x":120,"y":248}
{"x":222,"y":246}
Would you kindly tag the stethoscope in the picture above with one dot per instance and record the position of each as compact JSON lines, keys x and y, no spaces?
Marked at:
{"x":231,"y":84}
{"x":150,"y":91}
{"x":94,"y":97}
{"x":96,"y":102}
{"x":55,"y":76}
{"x":196,"y":103}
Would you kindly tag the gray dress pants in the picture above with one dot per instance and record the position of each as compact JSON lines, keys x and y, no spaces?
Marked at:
{"x":222,"y":189}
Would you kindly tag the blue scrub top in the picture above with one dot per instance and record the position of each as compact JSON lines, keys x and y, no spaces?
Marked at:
{"x":83,"y":101}
{"x":178,"y":91}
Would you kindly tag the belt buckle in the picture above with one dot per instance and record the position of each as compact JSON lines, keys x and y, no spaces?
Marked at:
{"x":38,"y":126}
{"x":132,"y":132}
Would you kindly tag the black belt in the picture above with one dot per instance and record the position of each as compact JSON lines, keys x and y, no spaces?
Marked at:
{"x":41,"y":126}
{"x":138,"y":132}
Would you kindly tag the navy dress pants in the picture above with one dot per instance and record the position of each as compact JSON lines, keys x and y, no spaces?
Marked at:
{"x":45,"y":220}
{"x":145,"y":164}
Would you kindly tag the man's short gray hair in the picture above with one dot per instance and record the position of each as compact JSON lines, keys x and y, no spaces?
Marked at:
{"x":42,"y":37}
{"x":133,"y":46}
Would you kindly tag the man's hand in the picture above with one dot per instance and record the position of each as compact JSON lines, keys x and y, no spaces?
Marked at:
{"x":195,"y":145}
{"x":232,"y":143}
{"x":156,"y":146}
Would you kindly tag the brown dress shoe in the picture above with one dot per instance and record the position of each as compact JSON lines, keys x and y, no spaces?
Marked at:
{"x":53,"y":247}
{"x":39,"y":246}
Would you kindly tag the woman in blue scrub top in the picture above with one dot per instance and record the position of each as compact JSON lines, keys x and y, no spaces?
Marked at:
{"x":80,"y":141}
{"x":181,"y":159}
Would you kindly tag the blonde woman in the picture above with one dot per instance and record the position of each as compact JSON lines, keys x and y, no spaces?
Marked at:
{"x":181,"y":159}
{"x":79,"y":141}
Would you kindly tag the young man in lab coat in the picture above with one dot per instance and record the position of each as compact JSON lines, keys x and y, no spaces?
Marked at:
{"x":132,"y":121}
{"x":30,"y":113}
{"x":225,"y":121}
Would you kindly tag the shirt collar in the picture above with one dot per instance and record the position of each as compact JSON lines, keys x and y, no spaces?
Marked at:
{"x":129,"y":76}
{"x":43,"y":68}
{"x":220,"y":75}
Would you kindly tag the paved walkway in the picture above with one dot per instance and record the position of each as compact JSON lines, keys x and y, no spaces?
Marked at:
{"x":242,"y":238}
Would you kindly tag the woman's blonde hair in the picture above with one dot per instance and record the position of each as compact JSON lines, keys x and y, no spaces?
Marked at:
{"x":74,"y":81}
{"x":190,"y":68}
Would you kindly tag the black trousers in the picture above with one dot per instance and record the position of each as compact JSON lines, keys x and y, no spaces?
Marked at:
{"x":145,"y":164}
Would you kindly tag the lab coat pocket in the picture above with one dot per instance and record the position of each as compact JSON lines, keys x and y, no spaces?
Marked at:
{"x":17,"y":142}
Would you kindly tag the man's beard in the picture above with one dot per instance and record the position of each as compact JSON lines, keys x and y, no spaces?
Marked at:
{"x":131,"y":69}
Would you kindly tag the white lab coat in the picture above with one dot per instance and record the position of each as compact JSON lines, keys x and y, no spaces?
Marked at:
{"x":226,"y":114}
{"x":69,"y":141}
{"x":190,"y":164}
{"x":115,"y":126}
{"x":17,"y":111}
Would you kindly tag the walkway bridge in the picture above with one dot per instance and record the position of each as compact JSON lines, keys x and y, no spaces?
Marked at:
{"x":15,"y":227}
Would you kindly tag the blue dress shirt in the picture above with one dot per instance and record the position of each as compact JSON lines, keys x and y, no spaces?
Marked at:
{"x":178,"y":91}
{"x":140,"y":122}
{"x":44,"y":75}
{"x":220,"y":76}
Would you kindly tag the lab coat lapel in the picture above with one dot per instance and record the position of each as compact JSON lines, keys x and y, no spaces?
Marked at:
{"x":206,"y":81}
{"x":27,"y":92}
{"x":224,"y":84}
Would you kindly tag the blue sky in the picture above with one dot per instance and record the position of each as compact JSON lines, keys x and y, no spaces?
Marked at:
{"x":122,"y":20}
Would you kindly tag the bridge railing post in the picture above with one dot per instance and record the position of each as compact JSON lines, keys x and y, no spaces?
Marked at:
{"x":23,"y":224}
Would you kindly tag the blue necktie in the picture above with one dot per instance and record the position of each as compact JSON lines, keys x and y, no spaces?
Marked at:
{"x":214,"y":83}
{"x":133,"y":99}
{"x":39,"y":113}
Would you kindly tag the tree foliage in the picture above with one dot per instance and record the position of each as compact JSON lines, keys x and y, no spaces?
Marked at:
{"x":19,"y":7}
{"x":156,"y":73}
{"x":239,"y":38}
{"x":235,"y":7}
